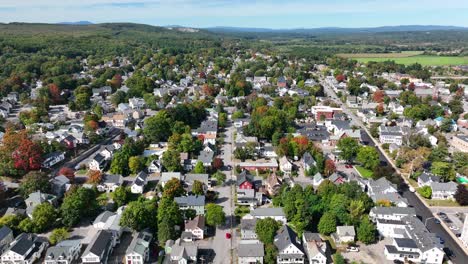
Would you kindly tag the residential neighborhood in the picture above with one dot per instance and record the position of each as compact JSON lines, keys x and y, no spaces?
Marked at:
{"x":233,"y":154}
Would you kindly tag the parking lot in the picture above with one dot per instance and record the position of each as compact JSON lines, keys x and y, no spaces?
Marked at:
{"x":453,"y":219}
{"x":369,"y":253}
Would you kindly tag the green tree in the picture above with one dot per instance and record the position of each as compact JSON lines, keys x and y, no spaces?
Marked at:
{"x":348,"y":148}
{"x":215,"y":215}
{"x":327,"y":223}
{"x":199,"y":168}
{"x":443,"y":169}
{"x":171,"y":160}
{"x":158,"y":127}
{"x":78,"y":204}
{"x":266,"y":229}
{"x":366,"y":232}
{"x":425,"y":192}
{"x":34,"y":181}
{"x":356,"y":208}
{"x":44,"y":217}
{"x":140,"y":214}
{"x":11,"y":220}
{"x":166,"y":231}
{"x":197,"y":188}
{"x":270,"y":254}
{"x":461,"y":195}
{"x":121,"y":195}
{"x":368,"y":157}
{"x":136,"y":164}
{"x":58,"y":235}
{"x":219,"y":177}
{"x":338,"y":259}
{"x":119,"y":164}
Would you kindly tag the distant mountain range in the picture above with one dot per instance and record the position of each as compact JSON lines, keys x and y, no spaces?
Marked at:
{"x":404,"y":28}
{"x":76,"y":23}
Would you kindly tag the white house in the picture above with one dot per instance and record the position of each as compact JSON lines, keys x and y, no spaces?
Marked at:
{"x":99,"y":249}
{"x":344,"y":234}
{"x":25,"y":249}
{"x":139,"y":183}
{"x":110,"y":182}
{"x":65,"y":252}
{"x":285,"y":165}
{"x":289,"y":247}
{"x":388,"y":220}
{"x":443,"y":190}
{"x":139,"y":249}
{"x":315,"y":248}
{"x":53,"y":158}
{"x":276,"y":213}
{"x":196,"y":227}
{"x":250,"y":251}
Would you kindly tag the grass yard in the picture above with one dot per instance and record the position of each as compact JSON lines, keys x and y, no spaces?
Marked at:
{"x":365,"y":173}
{"x":444,"y":203}
{"x":407,"y":58}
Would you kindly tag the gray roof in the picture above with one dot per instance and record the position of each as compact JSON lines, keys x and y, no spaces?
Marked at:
{"x":61,"y":250}
{"x":206,"y":156}
{"x":191,"y":200}
{"x":405,"y":242}
{"x":426,"y":177}
{"x":140,"y":178}
{"x":308,"y":159}
{"x":25,"y":242}
{"x":393,"y":210}
{"x":112,"y":178}
{"x":392,"y":197}
{"x":309,"y":236}
{"x":418,"y":231}
{"x":167,"y":176}
{"x":140,"y":243}
{"x":265,"y":212}
{"x":103,"y":217}
{"x":345,"y":231}
{"x":248,"y":224}
{"x":444,"y":187}
{"x":100,"y":243}
{"x":191,"y":177}
{"x":286,"y":236}
{"x":244,"y":176}
{"x":184,"y":250}
{"x":250,"y":249}
{"x":4,"y":232}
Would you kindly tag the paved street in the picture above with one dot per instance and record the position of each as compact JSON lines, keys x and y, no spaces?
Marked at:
{"x":421,"y":210}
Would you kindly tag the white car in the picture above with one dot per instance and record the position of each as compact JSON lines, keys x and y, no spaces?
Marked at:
{"x":454,"y":228}
{"x":411,"y":189}
{"x":352,"y":249}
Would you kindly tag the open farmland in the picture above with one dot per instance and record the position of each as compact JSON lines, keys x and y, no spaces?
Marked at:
{"x":407,"y":58}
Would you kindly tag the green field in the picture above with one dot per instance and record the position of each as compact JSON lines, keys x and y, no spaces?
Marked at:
{"x":365,"y":173}
{"x":422,"y":59}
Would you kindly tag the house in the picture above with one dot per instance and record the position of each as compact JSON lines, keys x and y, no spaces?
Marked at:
{"x":289,"y":246}
{"x":391,"y":135}
{"x":136,"y":103}
{"x":416,"y":244}
{"x":139,"y":183}
{"x":118,"y":120}
{"x":65,"y":252}
{"x":317,"y":179}
{"x":344,"y":234}
{"x":194,"y":202}
{"x":36,"y":198}
{"x":53,"y":158}
{"x":206,"y":157}
{"x":443,"y":190}
{"x":25,"y":249}
{"x":245,"y":180}
{"x":6,"y":237}
{"x":59,"y":185}
{"x":155,"y":166}
{"x":396,"y":108}
{"x":167,"y":176}
{"x":273,"y":184}
{"x":180,"y":252}
{"x":196,"y":227}
{"x":99,"y":249}
{"x":388,"y":220}
{"x":336,"y":179}
{"x":282,"y":83}
{"x":110,"y":182}
{"x":460,"y":142}
{"x":138,"y":251}
{"x":102,"y":158}
{"x":425,"y":179}
{"x":259,"y":165}
{"x":190,"y":178}
{"x":269,"y":152}
{"x":248,"y":197}
{"x":322,"y":112}
{"x":285,"y":165}
{"x":315,"y":248}
{"x":247,"y":227}
{"x":308,"y":161}
{"x":250,"y":251}
{"x":276,"y":213}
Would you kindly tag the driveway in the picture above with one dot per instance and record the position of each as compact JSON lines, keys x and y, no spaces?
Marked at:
{"x":370,"y":253}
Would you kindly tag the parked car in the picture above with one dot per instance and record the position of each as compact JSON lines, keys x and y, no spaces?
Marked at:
{"x":228,"y":235}
{"x":454,"y":228}
{"x":411,"y":189}
{"x":352,"y":249}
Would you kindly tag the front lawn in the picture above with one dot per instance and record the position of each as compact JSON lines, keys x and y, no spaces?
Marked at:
{"x":365,"y":173}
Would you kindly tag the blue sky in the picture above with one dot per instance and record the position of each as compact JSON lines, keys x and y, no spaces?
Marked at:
{"x":242,"y":13}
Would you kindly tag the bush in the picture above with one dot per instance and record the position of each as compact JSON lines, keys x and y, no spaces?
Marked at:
{"x":425,"y":192}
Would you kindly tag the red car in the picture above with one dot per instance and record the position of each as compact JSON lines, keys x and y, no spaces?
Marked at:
{"x":228,"y":235}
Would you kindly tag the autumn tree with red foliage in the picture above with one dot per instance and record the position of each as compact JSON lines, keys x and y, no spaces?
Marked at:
{"x":28,"y":155}
{"x":55,"y":93}
{"x":330,"y":167}
{"x":92,"y":125}
{"x":217,"y":163}
{"x":380,"y":109}
{"x":67,"y":172}
{"x":379,"y":96}
{"x":340,"y":78}
{"x":94,"y":176}
{"x":116,"y":81}
{"x":411,"y":86}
